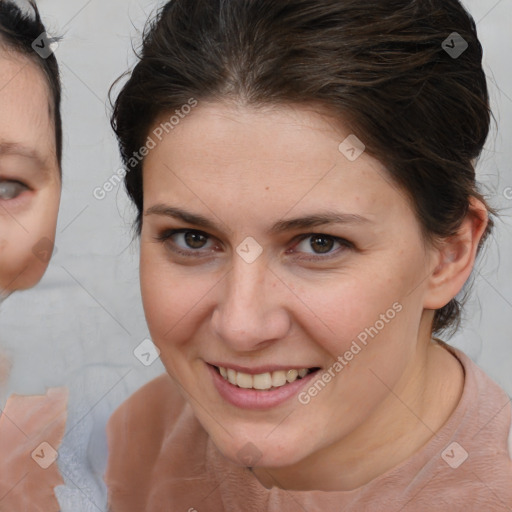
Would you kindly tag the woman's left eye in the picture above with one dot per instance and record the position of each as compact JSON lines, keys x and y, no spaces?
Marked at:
{"x":194,"y":242}
{"x":11,"y":189}
{"x":322,"y":244}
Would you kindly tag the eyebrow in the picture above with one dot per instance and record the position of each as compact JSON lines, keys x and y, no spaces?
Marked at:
{"x":309,"y":221}
{"x":15,"y":148}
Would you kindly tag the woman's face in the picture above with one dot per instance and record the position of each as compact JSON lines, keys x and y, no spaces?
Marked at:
{"x":29,"y":174}
{"x":256,"y":290}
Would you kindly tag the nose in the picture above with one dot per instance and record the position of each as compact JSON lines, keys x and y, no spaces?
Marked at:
{"x":251,"y":310}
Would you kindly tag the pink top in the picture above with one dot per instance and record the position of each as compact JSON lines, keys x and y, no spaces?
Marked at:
{"x":161,"y":459}
{"x":31,"y":430}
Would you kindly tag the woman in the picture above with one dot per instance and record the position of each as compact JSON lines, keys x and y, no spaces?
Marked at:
{"x":303,"y":173}
{"x":31,"y":427}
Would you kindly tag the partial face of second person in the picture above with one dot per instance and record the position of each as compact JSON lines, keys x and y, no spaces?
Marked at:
{"x":30,"y":183}
{"x":303,"y":301}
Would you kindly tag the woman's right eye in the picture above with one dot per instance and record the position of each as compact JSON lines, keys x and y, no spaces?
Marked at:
{"x":190,"y":239}
{"x":11,"y":189}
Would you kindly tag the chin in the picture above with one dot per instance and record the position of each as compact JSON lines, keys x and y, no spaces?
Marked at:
{"x":261,"y":452}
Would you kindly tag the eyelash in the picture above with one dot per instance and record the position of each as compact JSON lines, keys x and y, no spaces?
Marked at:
{"x":166,"y":236}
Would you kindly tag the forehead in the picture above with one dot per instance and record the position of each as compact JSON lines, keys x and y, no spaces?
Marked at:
{"x":285,"y":151}
{"x":25,"y":106}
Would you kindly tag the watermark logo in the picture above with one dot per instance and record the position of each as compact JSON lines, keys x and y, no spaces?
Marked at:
{"x":249,"y":250}
{"x":45,"y":45}
{"x":44,"y":249}
{"x":454,"y":455}
{"x":249,"y":455}
{"x":352,"y":148}
{"x":454,"y":45}
{"x":147,"y":352}
{"x":44,"y":455}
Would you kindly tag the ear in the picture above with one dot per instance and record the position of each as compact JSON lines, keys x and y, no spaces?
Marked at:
{"x":455,"y":257}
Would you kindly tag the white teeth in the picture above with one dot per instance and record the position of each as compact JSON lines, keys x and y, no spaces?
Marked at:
{"x":262,"y":381}
{"x":232,"y":376}
{"x":291,"y":375}
{"x":243,"y":380}
{"x":278,"y":378}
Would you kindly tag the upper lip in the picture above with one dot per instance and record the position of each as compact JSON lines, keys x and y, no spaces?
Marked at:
{"x":255,"y":370}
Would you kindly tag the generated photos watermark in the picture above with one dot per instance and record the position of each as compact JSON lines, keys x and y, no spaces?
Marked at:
{"x":146,"y":352}
{"x":44,"y":455}
{"x":355,"y":348}
{"x":45,"y":45}
{"x":152,"y":141}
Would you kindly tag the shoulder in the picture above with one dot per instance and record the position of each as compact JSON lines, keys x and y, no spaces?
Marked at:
{"x":148,"y":403}
{"x":491,"y":396}
{"x":487,"y":401}
{"x":31,"y":429}
{"x":138,"y":428}
{"x":157,"y":450}
{"x":147,"y":413}
{"x":487,"y":434}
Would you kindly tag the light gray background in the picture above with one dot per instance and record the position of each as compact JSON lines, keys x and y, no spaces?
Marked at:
{"x":79,"y":327}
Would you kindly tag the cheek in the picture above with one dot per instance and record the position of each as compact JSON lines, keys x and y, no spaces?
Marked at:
{"x":168,"y":294}
{"x":342,"y":306}
{"x":22,"y":263}
{"x":363,"y":314}
{"x":27,"y":243}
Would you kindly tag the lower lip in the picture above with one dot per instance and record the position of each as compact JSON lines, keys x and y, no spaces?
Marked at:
{"x":255,"y":399}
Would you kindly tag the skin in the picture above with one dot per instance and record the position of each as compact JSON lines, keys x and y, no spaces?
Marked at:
{"x":30,"y":188}
{"x":245,"y":169}
{"x":30,"y":184}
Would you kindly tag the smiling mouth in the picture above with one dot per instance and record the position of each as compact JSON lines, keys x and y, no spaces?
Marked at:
{"x":263,"y":381}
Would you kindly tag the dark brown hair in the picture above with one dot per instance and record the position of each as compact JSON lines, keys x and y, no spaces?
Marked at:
{"x":380,"y":66}
{"x":18,"y":30}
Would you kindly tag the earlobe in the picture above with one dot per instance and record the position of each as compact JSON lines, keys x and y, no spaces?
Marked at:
{"x":456,"y":257}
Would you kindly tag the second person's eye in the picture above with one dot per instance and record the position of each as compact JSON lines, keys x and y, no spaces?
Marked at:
{"x":11,"y":189}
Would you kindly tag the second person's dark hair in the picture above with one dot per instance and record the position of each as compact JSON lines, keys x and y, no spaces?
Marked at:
{"x":18,"y":30}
